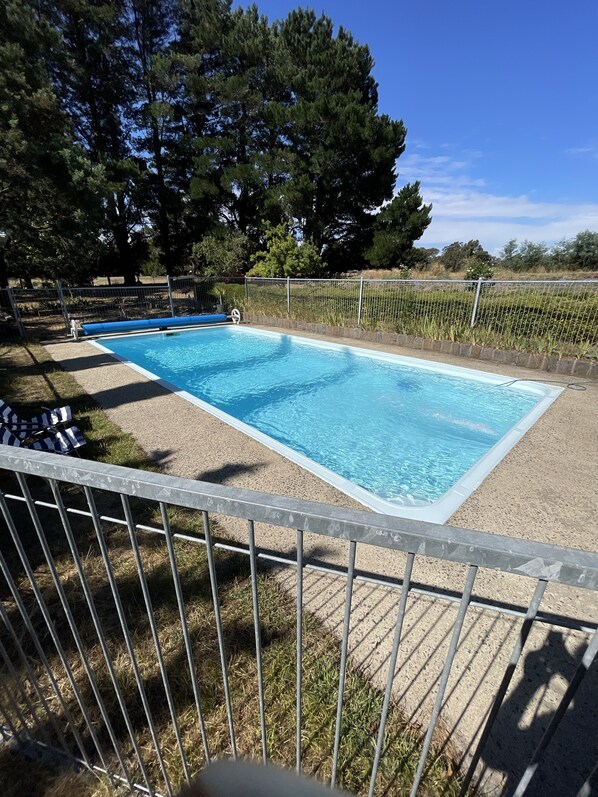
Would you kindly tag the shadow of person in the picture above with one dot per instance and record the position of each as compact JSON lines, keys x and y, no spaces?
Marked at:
{"x":526,"y":714}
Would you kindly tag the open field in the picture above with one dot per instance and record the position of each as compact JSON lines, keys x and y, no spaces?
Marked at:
{"x":27,"y":379}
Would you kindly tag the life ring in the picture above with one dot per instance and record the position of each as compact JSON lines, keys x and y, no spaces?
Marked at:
{"x":235,"y":316}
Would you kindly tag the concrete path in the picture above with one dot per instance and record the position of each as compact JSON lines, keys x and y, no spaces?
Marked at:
{"x":545,"y":489}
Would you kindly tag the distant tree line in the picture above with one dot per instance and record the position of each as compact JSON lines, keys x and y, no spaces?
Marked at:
{"x":169,"y":135}
{"x":571,"y":254}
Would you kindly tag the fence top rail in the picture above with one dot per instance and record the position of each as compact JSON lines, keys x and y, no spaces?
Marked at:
{"x":431,"y":281}
{"x":109,"y":288}
{"x":521,"y":557}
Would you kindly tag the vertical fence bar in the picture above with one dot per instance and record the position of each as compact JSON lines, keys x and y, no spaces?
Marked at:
{"x":170,"y":296}
{"x":288,"y":297}
{"x":343,"y":662}
{"x":475,"y":302}
{"x":360,"y":302}
{"x":391,"y":669}
{"x":128,"y":642}
{"x":66,"y":607}
{"x":524,"y":632}
{"x":246,"y":288}
{"x":44,"y":661}
{"x":98,"y":628}
{"x":7,"y":718}
{"x":299,"y":665}
{"x":18,"y":714}
{"x":15,"y":311}
{"x":23,"y":690}
{"x":31,"y":675}
{"x":185,"y":626}
{"x":450,"y":655}
{"x":258,"y":639}
{"x":63,"y":307}
{"x":53,"y":633}
{"x":579,"y":675}
{"x":154,"y":631}
{"x":219,"y":632}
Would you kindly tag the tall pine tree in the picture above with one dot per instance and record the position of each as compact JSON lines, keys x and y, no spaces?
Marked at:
{"x":50,"y":194}
{"x":342,"y":152}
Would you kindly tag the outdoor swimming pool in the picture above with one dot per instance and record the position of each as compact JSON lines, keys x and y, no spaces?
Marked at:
{"x":403,"y":436}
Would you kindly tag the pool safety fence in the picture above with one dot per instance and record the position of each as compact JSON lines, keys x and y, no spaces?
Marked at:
{"x":539,"y":316}
{"x":79,"y":539}
{"x":50,"y":311}
{"x":550,"y":315}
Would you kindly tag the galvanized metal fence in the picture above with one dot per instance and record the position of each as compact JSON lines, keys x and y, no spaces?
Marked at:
{"x":538,"y":315}
{"x":94,"y":569}
{"x":49,"y":311}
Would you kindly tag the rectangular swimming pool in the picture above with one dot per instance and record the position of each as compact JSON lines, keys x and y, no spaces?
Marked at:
{"x":401,"y":435}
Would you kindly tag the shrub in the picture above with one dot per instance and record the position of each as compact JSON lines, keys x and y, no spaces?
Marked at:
{"x":477,"y":268}
{"x":284,"y":256}
{"x":224,"y":255}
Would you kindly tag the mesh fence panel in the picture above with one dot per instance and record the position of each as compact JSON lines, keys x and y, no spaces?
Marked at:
{"x":552,"y":315}
{"x":40,"y":310}
{"x":117,"y":303}
{"x":545,"y":316}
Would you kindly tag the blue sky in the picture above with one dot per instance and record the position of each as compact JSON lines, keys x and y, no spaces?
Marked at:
{"x":500,"y":100}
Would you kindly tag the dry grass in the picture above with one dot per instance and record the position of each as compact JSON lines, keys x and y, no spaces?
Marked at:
{"x":437,"y":271}
{"x":28,"y":376}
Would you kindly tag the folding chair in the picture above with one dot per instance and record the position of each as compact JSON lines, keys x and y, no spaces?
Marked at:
{"x":25,"y":427}
{"x":60,"y":441}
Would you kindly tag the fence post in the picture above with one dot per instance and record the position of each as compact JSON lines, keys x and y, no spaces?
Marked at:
{"x":170,"y":297}
{"x":246,"y":288}
{"x":359,"y":306}
{"x":65,"y":312}
{"x":15,"y":311}
{"x":475,"y":301}
{"x":288,"y":297}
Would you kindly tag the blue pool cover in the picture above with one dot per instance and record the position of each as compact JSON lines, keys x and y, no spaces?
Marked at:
{"x":152,"y":323}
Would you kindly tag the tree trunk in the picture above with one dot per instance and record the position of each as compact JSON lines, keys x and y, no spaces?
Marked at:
{"x":163,"y":223}
{"x":3,"y":269}
{"x":118,"y":216}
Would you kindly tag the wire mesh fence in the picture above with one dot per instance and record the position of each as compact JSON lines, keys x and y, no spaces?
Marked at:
{"x":539,"y":316}
{"x":40,"y":311}
{"x":138,"y":641}
{"x":117,"y":303}
{"x":558,"y":316}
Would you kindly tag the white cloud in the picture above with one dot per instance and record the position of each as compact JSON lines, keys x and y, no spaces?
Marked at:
{"x":463,"y":210}
{"x":582,"y":151}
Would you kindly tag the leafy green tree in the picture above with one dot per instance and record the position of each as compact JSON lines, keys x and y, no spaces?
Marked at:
{"x":532,"y":255}
{"x":94,"y":76}
{"x":396,"y":227}
{"x":341,"y":151}
{"x":157,"y":100}
{"x":584,"y":251}
{"x":509,"y":255}
{"x":560,"y":254}
{"x":284,"y":256}
{"x":152,"y":265}
{"x":50,"y":194}
{"x":236,"y":149}
{"x":454,"y":256}
{"x":225,"y":255}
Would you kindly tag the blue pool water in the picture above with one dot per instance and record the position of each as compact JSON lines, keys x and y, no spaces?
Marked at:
{"x":403,"y":430}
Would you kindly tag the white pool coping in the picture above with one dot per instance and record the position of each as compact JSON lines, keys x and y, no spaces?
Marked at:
{"x":434,"y":512}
